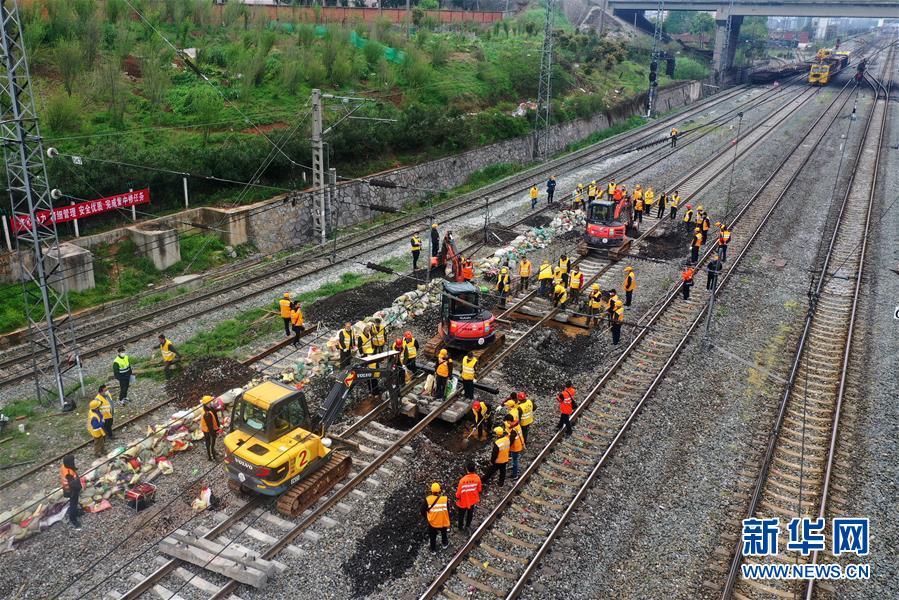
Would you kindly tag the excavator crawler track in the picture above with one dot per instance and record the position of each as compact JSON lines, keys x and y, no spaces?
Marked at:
{"x":433,"y":346}
{"x":297,"y":499}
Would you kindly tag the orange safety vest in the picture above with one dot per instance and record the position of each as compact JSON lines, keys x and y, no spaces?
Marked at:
{"x":502,"y":443}
{"x":468,"y":492}
{"x":467,"y":270}
{"x":524,"y":268}
{"x":697,"y":240}
{"x":724,"y":237}
{"x":64,"y":474}
{"x":687,"y":275}
{"x":443,"y":368}
{"x":565,"y":405}
{"x":438,"y":511}
{"x":518,"y":444}
{"x":206,"y":427}
{"x":296,"y":318}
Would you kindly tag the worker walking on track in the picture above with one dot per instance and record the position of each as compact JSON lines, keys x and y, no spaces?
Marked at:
{"x":630,"y":284}
{"x":545,"y":277}
{"x":410,"y":352}
{"x":566,"y":408}
{"x":535,"y":194}
{"x":121,"y":369}
{"x":415,"y":246}
{"x":296,"y":321}
{"x":209,"y":424}
{"x":550,"y":189}
{"x":525,"y":413}
{"x":499,"y":457}
{"x":469,"y":365}
{"x":95,"y":425}
{"x":723,"y":240}
{"x":468,"y":495}
{"x":435,"y":510}
{"x":503,"y":286}
{"x":345,"y":344}
{"x":673,"y":137}
{"x":284,"y":310}
{"x":524,"y":273}
{"x":714,"y":268}
{"x":442,"y":373}
{"x":616,"y":318}
{"x":71,"y":489}
{"x":695,"y":245}
{"x":687,"y":280}
{"x":168,"y":353}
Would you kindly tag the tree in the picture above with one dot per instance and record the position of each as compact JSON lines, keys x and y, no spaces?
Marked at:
{"x":111,"y":87}
{"x":206,"y":105}
{"x":157,"y":81}
{"x":69,"y":61}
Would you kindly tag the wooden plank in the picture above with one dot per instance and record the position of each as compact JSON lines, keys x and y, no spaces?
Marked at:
{"x":211,"y":562}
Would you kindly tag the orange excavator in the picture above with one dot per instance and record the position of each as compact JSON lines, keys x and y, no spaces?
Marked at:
{"x":607,"y":225}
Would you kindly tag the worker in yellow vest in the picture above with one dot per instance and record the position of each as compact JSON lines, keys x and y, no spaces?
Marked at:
{"x":378,"y":336}
{"x":516,"y":441}
{"x":345,"y":344}
{"x":435,"y":510}
{"x":649,"y":198}
{"x":296,"y":321}
{"x":591,"y":191}
{"x":673,"y":203}
{"x":106,"y":409}
{"x":121,"y":370}
{"x":673,"y":137}
{"x":524,"y":273}
{"x":499,"y":457}
{"x":695,"y":245}
{"x":469,"y":365}
{"x":545,"y":277}
{"x":168,"y":353}
{"x":575,"y":282}
{"x":503,"y":286}
{"x":410,"y":352}
{"x":364,"y":342}
{"x":415,"y":246}
{"x":630,"y":284}
{"x":525,"y":413}
{"x":95,"y":425}
{"x":594,"y":305}
{"x":482,"y":414}
{"x":560,"y":295}
{"x":284,"y":308}
{"x":564,"y":263}
{"x":535,"y":193}
{"x":616,"y":319}
{"x":611,"y":188}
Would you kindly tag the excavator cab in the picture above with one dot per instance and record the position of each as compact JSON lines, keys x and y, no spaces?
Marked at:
{"x":464,"y":324}
{"x":607,"y":223}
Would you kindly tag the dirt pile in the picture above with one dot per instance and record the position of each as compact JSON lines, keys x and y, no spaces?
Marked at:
{"x":211,"y":376}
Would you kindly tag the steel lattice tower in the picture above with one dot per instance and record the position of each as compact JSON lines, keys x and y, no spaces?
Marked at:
{"x":54,"y":353}
{"x":544,"y":88}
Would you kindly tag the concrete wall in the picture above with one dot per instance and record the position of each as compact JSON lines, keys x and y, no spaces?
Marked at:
{"x":285,"y":221}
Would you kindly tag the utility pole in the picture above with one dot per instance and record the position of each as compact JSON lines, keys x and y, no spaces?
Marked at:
{"x":318,"y":168}
{"x":335,"y":207}
{"x":654,"y":60}
{"x":725,"y":53}
{"x":46,"y":301}
{"x":544,"y":87}
{"x":733,"y":165}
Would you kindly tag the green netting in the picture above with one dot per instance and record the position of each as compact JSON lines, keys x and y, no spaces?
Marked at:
{"x":391,"y":54}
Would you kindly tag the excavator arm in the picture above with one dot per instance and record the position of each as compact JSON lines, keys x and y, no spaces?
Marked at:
{"x":386,"y":369}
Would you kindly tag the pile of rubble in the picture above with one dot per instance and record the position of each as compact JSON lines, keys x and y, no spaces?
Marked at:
{"x":212,"y":375}
{"x":141,"y":461}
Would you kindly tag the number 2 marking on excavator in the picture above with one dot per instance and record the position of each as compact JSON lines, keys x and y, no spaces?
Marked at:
{"x":301,"y":459}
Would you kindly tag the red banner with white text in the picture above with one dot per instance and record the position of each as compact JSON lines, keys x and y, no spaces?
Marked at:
{"x":83,"y":209}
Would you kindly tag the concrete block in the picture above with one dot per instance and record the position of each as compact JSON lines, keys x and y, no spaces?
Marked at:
{"x":70,"y":267}
{"x":161,"y":246}
{"x":231,"y":224}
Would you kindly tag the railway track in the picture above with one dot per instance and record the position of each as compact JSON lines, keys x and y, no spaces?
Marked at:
{"x":503,"y":553}
{"x":100,"y":333}
{"x":595,"y":269}
{"x":794,"y":479}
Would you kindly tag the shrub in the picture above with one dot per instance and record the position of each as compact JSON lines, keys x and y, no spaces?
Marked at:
{"x":341,"y":70}
{"x":69,"y":61}
{"x":439,"y":52}
{"x":63,"y":113}
{"x":416,"y":69}
{"x":305,"y":35}
{"x":157,"y":81}
{"x":373,"y":52}
{"x":314,"y":70}
{"x":688,"y":68}
{"x":291,"y":74}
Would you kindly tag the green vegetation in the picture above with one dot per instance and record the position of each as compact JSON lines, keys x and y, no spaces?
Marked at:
{"x":690,"y":21}
{"x":120,"y":271}
{"x":598,"y":136}
{"x":109,"y":87}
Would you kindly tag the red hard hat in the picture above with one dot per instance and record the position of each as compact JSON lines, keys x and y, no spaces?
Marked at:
{"x":399,"y":340}
{"x":689,"y":206}
{"x":521,"y":395}
{"x":408,"y":334}
{"x":475,"y":405}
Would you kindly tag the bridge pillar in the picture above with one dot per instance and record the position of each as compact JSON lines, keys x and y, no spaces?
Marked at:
{"x":720,"y":62}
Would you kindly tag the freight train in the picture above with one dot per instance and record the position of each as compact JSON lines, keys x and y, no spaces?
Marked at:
{"x":827,"y":64}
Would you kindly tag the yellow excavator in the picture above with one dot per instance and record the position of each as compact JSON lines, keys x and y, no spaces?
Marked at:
{"x":275,"y":447}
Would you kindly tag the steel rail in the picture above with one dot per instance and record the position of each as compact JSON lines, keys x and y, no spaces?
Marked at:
{"x":733,"y":571}
{"x":671,"y":295}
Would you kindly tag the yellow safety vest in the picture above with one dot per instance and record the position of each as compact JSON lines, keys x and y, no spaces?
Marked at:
{"x":612,"y":188}
{"x":574,"y":280}
{"x":591,"y":191}
{"x":527,"y":412}
{"x":563,"y":264}
{"x":649,"y":197}
{"x":524,"y":268}
{"x":284,"y":303}
{"x":345,"y":339}
{"x":675,"y":201}
{"x":630,"y":282}
{"x":378,"y":335}
{"x":561,"y":293}
{"x":595,"y":299}
{"x":165,"y":348}
{"x":416,"y":243}
{"x":95,"y":431}
{"x":618,"y":314}
{"x":725,"y":235}
{"x":124,"y":363}
{"x":296,"y":318}
{"x":688,"y":216}
{"x":365,"y":342}
{"x":638,"y":194}
{"x":546,"y":272}
{"x":468,"y":367}
{"x":409,"y":348}
{"x":105,"y":406}
{"x":534,"y":192}
{"x":502,"y":283}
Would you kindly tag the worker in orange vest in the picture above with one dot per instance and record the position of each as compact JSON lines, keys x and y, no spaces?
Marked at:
{"x":442,"y":373}
{"x":695,"y":245}
{"x":467,"y":269}
{"x":468,"y":495}
{"x":435,"y":509}
{"x":516,"y":439}
{"x":209,"y":424}
{"x":499,"y":457}
{"x":566,"y":408}
{"x":687,"y":279}
{"x":524,"y":273}
{"x":71,"y":489}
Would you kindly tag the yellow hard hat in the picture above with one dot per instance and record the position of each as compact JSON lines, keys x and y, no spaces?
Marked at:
{"x":510,"y":403}
{"x":593,"y":182}
{"x":206,"y":399}
{"x":595,"y":286}
{"x":434,"y":225}
{"x":699,"y":207}
{"x":717,"y":223}
{"x":95,"y":404}
{"x":287,"y":294}
{"x":696,"y":230}
{"x":504,"y":270}
{"x":435,"y":488}
{"x":443,"y":353}
{"x":628,"y":268}
{"x":498,"y":431}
